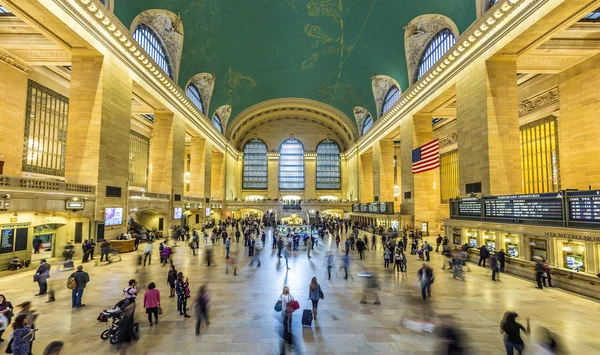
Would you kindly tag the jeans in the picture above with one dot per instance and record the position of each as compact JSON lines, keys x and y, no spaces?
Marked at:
{"x":287,"y":327}
{"x":227,"y":253}
{"x":149,"y":257}
{"x":103,"y":256}
{"x":76,"y":296}
{"x":360,"y":252}
{"x":494,"y":272}
{"x":182,"y":306}
{"x":538,"y":279}
{"x":426,"y":291}
{"x":510,"y":347}
{"x":482,"y":258}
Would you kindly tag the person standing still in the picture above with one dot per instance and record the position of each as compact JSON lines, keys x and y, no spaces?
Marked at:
{"x":227,"y":247}
{"x":495,"y":267}
{"x":81,"y":279}
{"x":42,"y":274}
{"x":501,"y":255}
{"x":438,"y":242}
{"x":148,"y":253}
{"x":483,"y":254}
{"x":152,"y":302}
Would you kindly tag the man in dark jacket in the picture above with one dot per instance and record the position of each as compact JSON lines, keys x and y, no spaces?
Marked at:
{"x":360,"y":246}
{"x":37,"y":243}
{"x":438,"y":242}
{"x":105,"y":250}
{"x":425,"y":277}
{"x":42,"y":275}
{"x":501,"y":256}
{"x":81,"y":279}
{"x":483,"y":254}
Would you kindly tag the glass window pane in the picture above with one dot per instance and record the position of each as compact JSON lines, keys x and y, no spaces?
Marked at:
{"x":437,"y":48}
{"x":150,"y":42}
{"x":255,"y":172}
{"x":329,"y":174}
{"x":392,"y":96}
{"x":367,"y":124}
{"x":193,"y":94}
{"x":139,"y":158}
{"x":291,"y":165}
{"x":216,"y":121}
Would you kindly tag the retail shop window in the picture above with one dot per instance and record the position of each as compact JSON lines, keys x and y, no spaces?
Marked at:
{"x":291,"y":165}
{"x":255,"y":172}
{"x":540,"y":168}
{"x":152,"y":44}
{"x":366,"y":125}
{"x":437,"y":48}
{"x":392,"y":96}
{"x":573,"y":256}
{"x":449,"y":185}
{"x":216,"y":121}
{"x":193,"y":94}
{"x":139,"y":158}
{"x":329,"y":173}
{"x":45,"y":140}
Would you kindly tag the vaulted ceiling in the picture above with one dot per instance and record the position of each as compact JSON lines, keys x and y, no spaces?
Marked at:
{"x":324,"y":50}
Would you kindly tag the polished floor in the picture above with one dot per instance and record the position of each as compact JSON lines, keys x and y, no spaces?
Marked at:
{"x":243,"y":320}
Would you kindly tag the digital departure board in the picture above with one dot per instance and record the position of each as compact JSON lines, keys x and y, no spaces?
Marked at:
{"x":538,"y":206}
{"x":356,"y":207}
{"x":469,"y":207}
{"x":364,"y":207}
{"x":374,"y":207}
{"x":584,"y":206}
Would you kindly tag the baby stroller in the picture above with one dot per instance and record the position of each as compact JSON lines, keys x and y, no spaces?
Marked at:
{"x":114,"y":314}
{"x":413,"y":248}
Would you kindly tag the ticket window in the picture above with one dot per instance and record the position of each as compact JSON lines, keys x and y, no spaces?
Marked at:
{"x":573,"y":256}
{"x":472,"y":237}
{"x":538,"y":248}
{"x":489,"y":240}
{"x":511,"y":243}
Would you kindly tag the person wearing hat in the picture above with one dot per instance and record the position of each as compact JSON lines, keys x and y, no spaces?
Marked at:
{"x":130,"y":292}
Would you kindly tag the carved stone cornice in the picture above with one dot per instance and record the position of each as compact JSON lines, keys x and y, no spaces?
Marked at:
{"x":450,"y":139}
{"x":14,"y":62}
{"x":538,"y":102}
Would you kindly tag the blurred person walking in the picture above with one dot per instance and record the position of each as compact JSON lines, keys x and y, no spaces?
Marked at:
{"x":512,"y":333}
{"x":54,"y":348}
{"x":6,"y":310}
{"x":371,"y":286}
{"x":425,"y":278}
{"x":286,"y":313}
{"x":314,"y":295}
{"x":22,"y":336}
{"x":201,"y":305}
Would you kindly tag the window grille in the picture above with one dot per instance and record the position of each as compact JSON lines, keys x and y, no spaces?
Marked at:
{"x":216,"y":121}
{"x":193,"y":94}
{"x":329,"y":175}
{"x":437,"y":48}
{"x":367,"y":124}
{"x":151,"y":43}
{"x":139,"y":158}
{"x":255,"y":173}
{"x":449,"y":184}
{"x":291,"y":165}
{"x":539,"y":156}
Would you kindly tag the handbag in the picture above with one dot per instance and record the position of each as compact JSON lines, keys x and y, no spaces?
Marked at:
{"x":36,"y":277}
{"x":292,"y":306}
{"x":321,"y":295}
{"x":160,"y":311}
{"x":278,"y":306}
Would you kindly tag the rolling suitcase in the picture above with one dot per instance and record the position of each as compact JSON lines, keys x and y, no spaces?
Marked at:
{"x":307,"y":318}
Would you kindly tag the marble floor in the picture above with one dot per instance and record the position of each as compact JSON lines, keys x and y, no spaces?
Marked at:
{"x":243,"y":320}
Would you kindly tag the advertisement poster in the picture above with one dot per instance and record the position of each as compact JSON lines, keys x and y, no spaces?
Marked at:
{"x":207,"y":211}
{"x":178,"y":213}
{"x":113,"y":216}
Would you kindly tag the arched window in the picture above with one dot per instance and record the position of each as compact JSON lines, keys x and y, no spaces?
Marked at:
{"x":4,"y":11}
{"x":216,"y":121}
{"x":255,"y":165}
{"x":193,"y":94}
{"x":152,"y":44}
{"x":439,"y":45}
{"x":366,"y":125}
{"x":489,"y":4}
{"x":392,"y":96}
{"x":291,"y":165}
{"x":329,"y":174}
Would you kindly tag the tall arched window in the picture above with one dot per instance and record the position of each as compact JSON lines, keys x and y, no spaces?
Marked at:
{"x":193,"y":94}
{"x":392,"y":96}
{"x":255,"y":172}
{"x":291,"y":165}
{"x":216,"y":121}
{"x":489,"y":4}
{"x":366,"y":125}
{"x":150,"y":41}
{"x":329,"y":172}
{"x":439,"y":45}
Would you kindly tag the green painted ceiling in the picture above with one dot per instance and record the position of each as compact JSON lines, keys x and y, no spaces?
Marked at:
{"x":324,"y":50}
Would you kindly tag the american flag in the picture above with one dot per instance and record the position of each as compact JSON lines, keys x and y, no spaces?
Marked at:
{"x":426,"y":158}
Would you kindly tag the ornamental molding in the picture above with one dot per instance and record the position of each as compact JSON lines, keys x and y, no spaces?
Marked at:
{"x":224,"y":112}
{"x":380,"y":85}
{"x":539,"y":102}
{"x":448,"y":140}
{"x":361,"y":114}
{"x":205,"y":82}
{"x":502,"y":18}
{"x":14,"y":62}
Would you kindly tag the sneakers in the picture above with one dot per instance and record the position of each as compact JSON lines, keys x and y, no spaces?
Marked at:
{"x":150,"y":323}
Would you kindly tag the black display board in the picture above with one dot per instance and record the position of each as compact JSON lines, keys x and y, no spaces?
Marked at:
{"x":22,"y":239}
{"x":470,"y":207}
{"x":364,"y":207}
{"x":7,"y":241}
{"x":540,"y":206}
{"x":374,"y":207}
{"x":356,"y":207}
{"x":584,"y":206}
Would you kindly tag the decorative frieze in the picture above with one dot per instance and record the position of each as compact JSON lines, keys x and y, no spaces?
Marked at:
{"x":16,"y":63}
{"x":538,"y":102}
{"x":450,"y":139}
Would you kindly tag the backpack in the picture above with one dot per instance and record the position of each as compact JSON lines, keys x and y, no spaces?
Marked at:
{"x":71,"y":283}
{"x":429,"y":247}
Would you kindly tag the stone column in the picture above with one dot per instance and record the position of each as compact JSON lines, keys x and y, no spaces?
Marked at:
{"x":218,"y":176}
{"x":98,"y":130}
{"x":167,"y":153}
{"x":13,"y":88}
{"x":273,"y":171}
{"x":365,"y":162}
{"x":488,"y":127}
{"x":383,"y":170}
{"x":310,"y":175}
{"x":423,"y":204}
{"x":197,"y":167}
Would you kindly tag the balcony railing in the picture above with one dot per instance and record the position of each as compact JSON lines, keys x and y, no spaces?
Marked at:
{"x":34,"y":184}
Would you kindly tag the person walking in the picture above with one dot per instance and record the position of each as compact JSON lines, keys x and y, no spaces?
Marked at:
{"x":483,"y":255}
{"x":285,"y":255}
{"x":227,"y":247}
{"x":425,"y":278}
{"x":371,"y":286}
{"x":6,"y":309}
{"x":148,"y":253}
{"x":152,"y":302}
{"x":347,"y":245}
{"x":346,"y":265}
{"x":438,"y":242}
{"x":539,"y":273}
{"x":183,"y":293}
{"x":54,"y":348}
{"x":208,"y":254}
{"x":387,"y":256}
{"x":397,"y":260}
{"x":237,"y":235}
{"x":280,"y":247}
{"x":42,"y":275}
{"x":309,"y":247}
{"x":427,"y":248}
{"x":22,"y":336}
{"x":314,"y":295}
{"x":501,"y":255}
{"x":330,"y":264}
{"x":337,"y":241}
{"x":495,"y":266}
{"x":360,"y":246}
{"x":105,"y":250}
{"x":171,"y":279}
{"x":81,"y":279}
{"x":201,"y":308}
{"x":512,"y":333}
{"x":193,"y":246}
{"x":286,"y":298}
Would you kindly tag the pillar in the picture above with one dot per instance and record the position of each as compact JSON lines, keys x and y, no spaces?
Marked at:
{"x":98,"y":130}
{"x":273,"y":173}
{"x":197,"y":167}
{"x":365,"y":161}
{"x":310,"y":176}
{"x":383,"y":170}
{"x":167,"y":153}
{"x":488,"y":127}
{"x":218,"y":176}
{"x":423,"y":204}
{"x":13,"y":88}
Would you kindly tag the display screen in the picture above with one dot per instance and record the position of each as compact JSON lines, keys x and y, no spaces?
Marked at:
{"x":207,"y":211}
{"x":584,"y":206}
{"x":178,"y":212}
{"x":7,"y":241}
{"x":512,"y":250}
{"x":113,"y":216}
{"x":473,"y":242}
{"x":355,"y":207}
{"x":374,"y":207}
{"x":541,"y":206}
{"x":574,"y":262}
{"x":469,"y":208}
{"x":364,"y":207}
